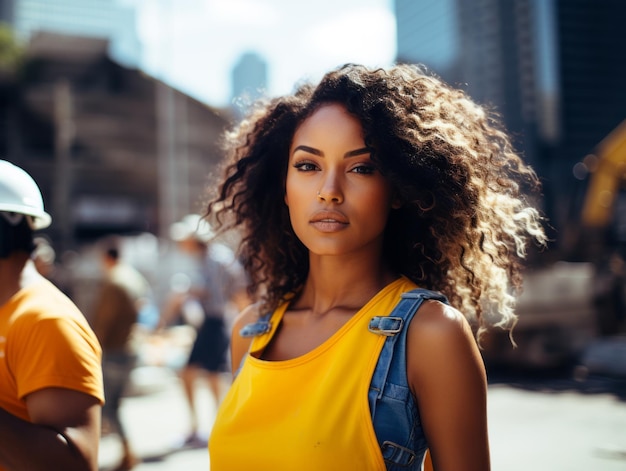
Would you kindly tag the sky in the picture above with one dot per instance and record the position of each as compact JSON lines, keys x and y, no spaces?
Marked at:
{"x":194,"y":44}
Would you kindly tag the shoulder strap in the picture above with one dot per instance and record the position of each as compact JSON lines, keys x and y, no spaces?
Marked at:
{"x":390,"y":326}
{"x":392,"y":360}
{"x":260,"y":327}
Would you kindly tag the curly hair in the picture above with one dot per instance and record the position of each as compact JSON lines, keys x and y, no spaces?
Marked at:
{"x":464,"y":223}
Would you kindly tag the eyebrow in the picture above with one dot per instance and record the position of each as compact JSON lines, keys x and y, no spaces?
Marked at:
{"x":352,"y":153}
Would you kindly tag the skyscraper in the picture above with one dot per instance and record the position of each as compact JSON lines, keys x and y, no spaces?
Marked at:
{"x":428,"y":32}
{"x":553,"y":69}
{"x":482,"y":46}
{"x":249,"y":80}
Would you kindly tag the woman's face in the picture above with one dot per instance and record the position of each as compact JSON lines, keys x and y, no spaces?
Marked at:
{"x":338,"y":201}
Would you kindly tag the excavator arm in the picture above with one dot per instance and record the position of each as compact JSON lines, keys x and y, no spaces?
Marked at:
{"x":607,"y":174}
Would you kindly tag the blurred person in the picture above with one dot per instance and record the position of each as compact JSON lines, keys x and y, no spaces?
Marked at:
{"x":208,"y":279}
{"x":51,"y":390}
{"x":383,"y":219}
{"x":44,"y":257}
{"x":116,"y":311}
{"x":45,"y":260}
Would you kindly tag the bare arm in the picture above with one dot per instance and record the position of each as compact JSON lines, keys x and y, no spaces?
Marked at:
{"x":447,"y":375}
{"x":171,"y":309}
{"x":64,"y":433}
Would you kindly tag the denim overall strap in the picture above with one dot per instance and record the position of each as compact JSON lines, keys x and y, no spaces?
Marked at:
{"x":260,"y":327}
{"x":393,"y":409}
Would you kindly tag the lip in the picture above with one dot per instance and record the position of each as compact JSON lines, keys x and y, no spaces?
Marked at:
{"x":329,"y":221}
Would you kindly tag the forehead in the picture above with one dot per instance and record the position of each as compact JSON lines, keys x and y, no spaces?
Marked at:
{"x":330,"y":121}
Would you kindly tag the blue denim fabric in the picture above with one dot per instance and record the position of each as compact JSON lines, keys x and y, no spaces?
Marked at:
{"x":394,"y":411}
{"x":262,"y":326}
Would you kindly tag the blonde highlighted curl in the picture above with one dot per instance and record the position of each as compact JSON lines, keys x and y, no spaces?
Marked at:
{"x":464,"y":224}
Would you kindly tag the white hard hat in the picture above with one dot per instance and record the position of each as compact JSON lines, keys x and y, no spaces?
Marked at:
{"x":20,"y":194}
{"x":192,"y":225}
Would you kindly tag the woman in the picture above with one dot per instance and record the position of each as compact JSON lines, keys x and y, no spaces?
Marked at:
{"x":349,"y":194}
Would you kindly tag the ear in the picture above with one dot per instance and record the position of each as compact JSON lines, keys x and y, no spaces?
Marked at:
{"x":285,"y":199}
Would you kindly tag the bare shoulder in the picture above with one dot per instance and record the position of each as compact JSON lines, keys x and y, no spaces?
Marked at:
{"x":440,"y":339}
{"x":438,"y":321}
{"x":239,"y":345}
{"x":248,"y":315}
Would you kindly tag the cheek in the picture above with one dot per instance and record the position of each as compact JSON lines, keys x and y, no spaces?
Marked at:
{"x":378,"y":201}
{"x":378,"y":213}
{"x":288,"y":190}
{"x":375,"y":209}
{"x":291,"y":188}
{"x":295,"y":201}
{"x":289,"y":193}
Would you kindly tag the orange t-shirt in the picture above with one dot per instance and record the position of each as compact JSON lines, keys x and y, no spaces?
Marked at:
{"x":45,"y":341}
{"x":309,"y":412}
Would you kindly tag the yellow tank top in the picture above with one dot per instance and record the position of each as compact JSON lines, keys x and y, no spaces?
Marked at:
{"x":310,"y":412}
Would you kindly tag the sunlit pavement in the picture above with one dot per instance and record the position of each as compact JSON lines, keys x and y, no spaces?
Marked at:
{"x":157,"y":421}
{"x":555,"y":423}
{"x":551,"y":424}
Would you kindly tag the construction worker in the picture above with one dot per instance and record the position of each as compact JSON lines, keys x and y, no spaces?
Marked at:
{"x":51,"y":389}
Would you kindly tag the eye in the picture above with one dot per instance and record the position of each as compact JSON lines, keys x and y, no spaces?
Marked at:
{"x":364,"y":169}
{"x":305,"y":166}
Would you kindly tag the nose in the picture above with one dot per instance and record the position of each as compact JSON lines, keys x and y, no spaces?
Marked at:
{"x":330,"y":191}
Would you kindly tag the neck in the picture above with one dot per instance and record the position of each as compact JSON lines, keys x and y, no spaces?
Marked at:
{"x":343,"y":283}
{"x":16,"y":272}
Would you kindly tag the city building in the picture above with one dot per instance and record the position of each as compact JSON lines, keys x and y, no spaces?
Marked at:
{"x":111,"y":20}
{"x":114,"y":150}
{"x":553,"y":69}
{"x":249,"y":81}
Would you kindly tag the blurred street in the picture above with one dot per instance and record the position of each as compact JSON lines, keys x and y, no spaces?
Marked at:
{"x":555,"y":423}
{"x":157,"y":421}
{"x":545,"y":421}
